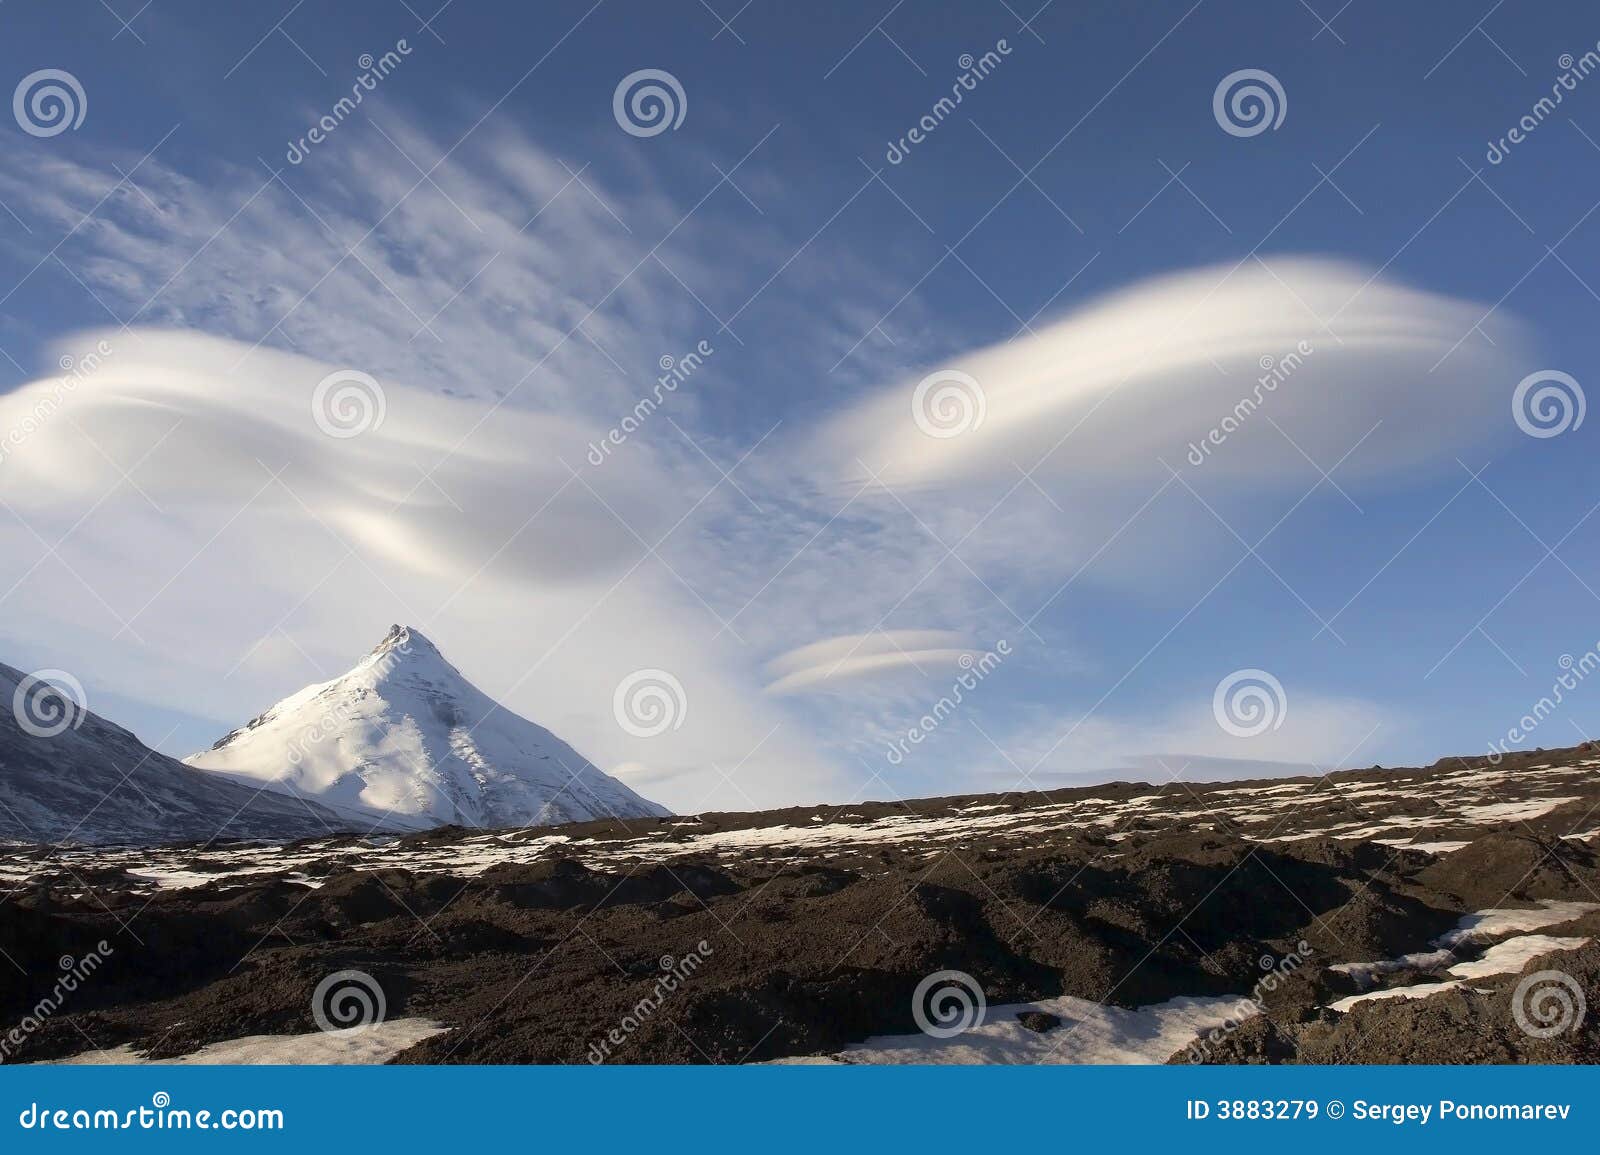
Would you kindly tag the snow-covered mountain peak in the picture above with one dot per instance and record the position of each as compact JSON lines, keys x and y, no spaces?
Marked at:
{"x":405,"y":657}
{"x":405,"y":642}
{"x":403,"y":738}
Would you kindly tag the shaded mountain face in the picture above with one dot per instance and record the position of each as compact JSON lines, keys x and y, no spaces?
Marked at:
{"x":404,"y":741}
{"x":68,"y":776}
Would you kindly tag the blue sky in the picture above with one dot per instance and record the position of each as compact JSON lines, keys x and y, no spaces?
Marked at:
{"x":481,"y":233}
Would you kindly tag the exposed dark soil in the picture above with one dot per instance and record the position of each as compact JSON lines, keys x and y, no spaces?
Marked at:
{"x":537,"y":961}
{"x":1471,"y":1024}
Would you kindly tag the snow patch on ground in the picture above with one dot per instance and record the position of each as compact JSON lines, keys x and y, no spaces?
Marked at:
{"x":1089,"y":1033}
{"x":1415,"y":991}
{"x":1365,"y":973}
{"x":1459,"y":807}
{"x":1509,"y":811}
{"x":369,"y":1045}
{"x":1506,"y":957}
{"x":1487,"y":924}
{"x":1509,"y":957}
{"x":1447,"y":847}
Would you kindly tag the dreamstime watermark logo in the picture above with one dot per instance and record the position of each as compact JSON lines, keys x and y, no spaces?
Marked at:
{"x":974,"y":669}
{"x":1548,"y":403}
{"x":675,"y":972}
{"x":1548,"y":1003}
{"x":74,"y":972}
{"x":674,"y":372}
{"x":373,"y":69}
{"x":1574,"y":671}
{"x":48,"y":102}
{"x":1274,"y":372}
{"x":948,"y":403}
{"x":648,"y":703}
{"x":648,"y":102}
{"x":160,"y":1115}
{"x":1249,"y":102}
{"x":49,"y":702}
{"x":1248,"y":703}
{"x":947,"y":1004}
{"x":1255,"y":1003}
{"x":347,"y":403}
{"x":973,"y":69}
{"x":74,"y":370}
{"x":347,"y":999}
{"x":343,"y":711}
{"x":1572,"y":71}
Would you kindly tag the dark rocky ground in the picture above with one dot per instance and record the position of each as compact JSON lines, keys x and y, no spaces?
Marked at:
{"x":531,"y":945}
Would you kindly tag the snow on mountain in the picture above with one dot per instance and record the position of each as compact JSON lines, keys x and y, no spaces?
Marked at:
{"x":69,"y":776}
{"x":403,"y":740}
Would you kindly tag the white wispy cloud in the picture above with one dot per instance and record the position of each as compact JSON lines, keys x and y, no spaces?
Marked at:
{"x":183,"y":529}
{"x":240,"y":519}
{"x":1114,"y":388}
{"x":854,"y":656}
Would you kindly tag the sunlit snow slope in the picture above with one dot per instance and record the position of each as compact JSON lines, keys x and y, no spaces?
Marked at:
{"x":403,"y":740}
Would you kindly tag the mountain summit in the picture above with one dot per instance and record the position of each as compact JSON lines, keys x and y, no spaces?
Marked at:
{"x":403,"y":739}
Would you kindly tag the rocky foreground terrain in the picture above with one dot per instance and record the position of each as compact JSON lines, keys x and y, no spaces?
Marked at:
{"x":1228,"y":922}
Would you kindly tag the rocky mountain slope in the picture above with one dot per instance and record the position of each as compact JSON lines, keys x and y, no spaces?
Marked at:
{"x":67,"y":775}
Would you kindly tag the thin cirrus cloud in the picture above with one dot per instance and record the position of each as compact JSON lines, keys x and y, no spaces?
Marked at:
{"x":1315,"y":733}
{"x":498,"y":368}
{"x":202,"y":513}
{"x":1143,"y":375}
{"x":823,"y":665}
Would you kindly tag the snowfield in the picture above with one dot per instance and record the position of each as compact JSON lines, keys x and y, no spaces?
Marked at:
{"x":353,"y":1046}
{"x":403,"y":741}
{"x":1437,"y":814}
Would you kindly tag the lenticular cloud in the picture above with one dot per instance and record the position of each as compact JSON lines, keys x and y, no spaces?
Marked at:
{"x":1203,"y":365}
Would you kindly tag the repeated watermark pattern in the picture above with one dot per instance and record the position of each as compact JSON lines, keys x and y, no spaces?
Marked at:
{"x":1548,"y":1003}
{"x":74,"y":972}
{"x":649,"y":102}
{"x":1248,"y":703}
{"x":74,"y":370}
{"x":1548,"y":403}
{"x":650,"y":702}
{"x":973,"y":70}
{"x":373,"y":71}
{"x":674,"y":973}
{"x":1274,"y":372}
{"x":948,"y":1003}
{"x":49,"y":702}
{"x":1249,"y":102}
{"x":674,"y":372}
{"x":973,"y":671}
{"x":49,"y":102}
{"x":1254,"y":1004}
{"x":1572,"y":71}
{"x":947,"y":403}
{"x":348,"y":403}
{"x":347,"y":999}
{"x":1574,"y":671}
{"x":340,"y":713}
